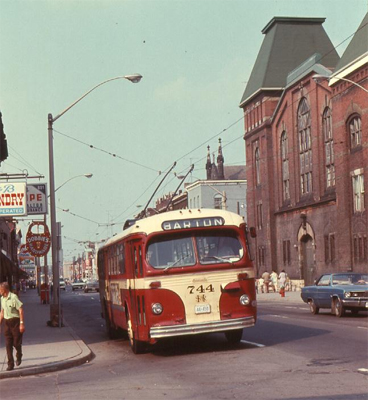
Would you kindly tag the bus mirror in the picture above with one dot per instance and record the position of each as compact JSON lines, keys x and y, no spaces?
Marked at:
{"x":252,"y":231}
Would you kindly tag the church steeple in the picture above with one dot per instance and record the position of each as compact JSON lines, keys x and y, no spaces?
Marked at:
{"x":208,"y":164}
{"x":220,"y":162}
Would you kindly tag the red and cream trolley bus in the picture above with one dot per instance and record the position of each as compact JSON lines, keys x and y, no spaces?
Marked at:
{"x":178,"y":273}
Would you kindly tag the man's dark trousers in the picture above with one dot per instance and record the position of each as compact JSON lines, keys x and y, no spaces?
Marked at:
{"x":13,"y":337}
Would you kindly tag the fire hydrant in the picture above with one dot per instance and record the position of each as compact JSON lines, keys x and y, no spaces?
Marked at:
{"x":282,"y":292}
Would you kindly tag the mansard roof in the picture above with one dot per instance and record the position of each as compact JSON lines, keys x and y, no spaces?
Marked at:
{"x":234,"y":172}
{"x":288,"y":43}
{"x":357,"y":47}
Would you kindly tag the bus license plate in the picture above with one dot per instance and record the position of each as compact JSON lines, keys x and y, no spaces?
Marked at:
{"x":202,"y":309}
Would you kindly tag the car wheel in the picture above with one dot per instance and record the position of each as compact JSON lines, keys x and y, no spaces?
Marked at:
{"x":312,"y":306}
{"x":234,"y":336}
{"x":137,"y":346}
{"x":338,"y":308}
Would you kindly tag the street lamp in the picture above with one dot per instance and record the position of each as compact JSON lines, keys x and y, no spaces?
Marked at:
{"x":316,"y":77}
{"x":55,"y":317}
{"x":77,"y":176}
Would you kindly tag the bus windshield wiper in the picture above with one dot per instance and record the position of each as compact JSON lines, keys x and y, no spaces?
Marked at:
{"x":174,"y":263}
{"x":218,"y":258}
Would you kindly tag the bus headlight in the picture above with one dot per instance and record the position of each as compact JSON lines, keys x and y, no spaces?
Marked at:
{"x":157,"y":308}
{"x":244,"y":300}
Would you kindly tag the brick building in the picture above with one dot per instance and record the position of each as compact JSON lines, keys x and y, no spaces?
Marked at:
{"x":306,"y":150}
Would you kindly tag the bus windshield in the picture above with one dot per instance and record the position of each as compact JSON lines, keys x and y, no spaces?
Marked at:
{"x":213,"y":249}
{"x":165,"y":253}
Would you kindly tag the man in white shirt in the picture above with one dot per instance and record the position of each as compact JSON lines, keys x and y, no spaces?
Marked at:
{"x":13,"y":316}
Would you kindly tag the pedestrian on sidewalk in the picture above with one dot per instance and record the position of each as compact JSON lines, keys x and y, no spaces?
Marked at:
{"x":274,"y":278}
{"x":260,"y":285}
{"x":13,"y":316}
{"x":282,"y":281}
{"x":267,"y":280}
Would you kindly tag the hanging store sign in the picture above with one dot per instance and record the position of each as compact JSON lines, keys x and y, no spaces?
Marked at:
{"x":38,"y":243}
{"x":13,"y":199}
{"x":36,"y":199}
{"x":25,"y":258}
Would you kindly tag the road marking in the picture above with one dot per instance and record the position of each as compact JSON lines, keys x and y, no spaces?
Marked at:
{"x":298,"y":308}
{"x":363,"y":370}
{"x":278,"y":316}
{"x":362,"y":327}
{"x":253,"y":343}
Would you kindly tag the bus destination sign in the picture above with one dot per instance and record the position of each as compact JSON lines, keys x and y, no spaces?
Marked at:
{"x":192,"y":223}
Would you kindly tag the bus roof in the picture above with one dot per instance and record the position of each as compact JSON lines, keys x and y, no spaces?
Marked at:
{"x":180,"y":219}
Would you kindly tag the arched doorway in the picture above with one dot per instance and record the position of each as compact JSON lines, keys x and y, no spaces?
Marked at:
{"x":306,"y":253}
{"x":307,"y":258}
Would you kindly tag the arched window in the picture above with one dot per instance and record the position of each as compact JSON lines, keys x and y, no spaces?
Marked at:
{"x":257,"y":165}
{"x":285,"y":167}
{"x":355,"y":130}
{"x":305,"y":147}
{"x":217,"y":200}
{"x":329,"y":147}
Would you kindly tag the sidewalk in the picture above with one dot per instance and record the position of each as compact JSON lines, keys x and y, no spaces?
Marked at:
{"x":290,"y":297}
{"x":45,"y":349}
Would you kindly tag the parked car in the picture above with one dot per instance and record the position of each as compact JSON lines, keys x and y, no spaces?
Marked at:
{"x":77,"y":284}
{"x":339,"y":292}
{"x":62,"y":284}
{"x":91,"y":285}
{"x":31,"y":284}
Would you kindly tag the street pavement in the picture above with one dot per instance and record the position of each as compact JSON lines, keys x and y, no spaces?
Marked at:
{"x":47,"y":349}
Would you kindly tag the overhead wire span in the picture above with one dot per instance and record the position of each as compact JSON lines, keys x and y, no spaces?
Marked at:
{"x":91,"y":146}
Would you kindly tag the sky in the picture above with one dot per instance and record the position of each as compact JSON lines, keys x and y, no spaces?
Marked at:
{"x":195,"y":57}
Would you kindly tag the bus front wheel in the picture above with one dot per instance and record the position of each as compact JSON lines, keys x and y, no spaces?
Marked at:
{"x":137,"y":346}
{"x":234,"y":336}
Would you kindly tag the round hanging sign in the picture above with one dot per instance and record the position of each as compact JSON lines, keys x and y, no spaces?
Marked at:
{"x":38,"y":244}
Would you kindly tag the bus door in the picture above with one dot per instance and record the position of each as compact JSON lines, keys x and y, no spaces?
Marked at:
{"x":137,"y":308}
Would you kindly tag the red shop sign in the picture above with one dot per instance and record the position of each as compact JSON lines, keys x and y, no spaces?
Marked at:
{"x":38,"y":244}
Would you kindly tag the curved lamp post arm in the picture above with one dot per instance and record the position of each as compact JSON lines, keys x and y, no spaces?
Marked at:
{"x":73,"y":177}
{"x":350,"y":81}
{"x":329,"y":78}
{"x":133,"y":78}
{"x":55,"y":307}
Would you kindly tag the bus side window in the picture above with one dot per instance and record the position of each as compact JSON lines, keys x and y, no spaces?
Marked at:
{"x":121,"y":258}
{"x":140,"y":260}
{"x":135,"y":258}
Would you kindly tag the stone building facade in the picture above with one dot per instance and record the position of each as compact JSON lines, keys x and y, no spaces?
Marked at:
{"x":303,"y":172}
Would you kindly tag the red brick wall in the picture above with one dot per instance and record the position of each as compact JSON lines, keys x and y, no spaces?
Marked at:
{"x":327,"y":211}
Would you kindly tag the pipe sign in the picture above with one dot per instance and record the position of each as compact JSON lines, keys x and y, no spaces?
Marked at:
{"x":36,"y":198}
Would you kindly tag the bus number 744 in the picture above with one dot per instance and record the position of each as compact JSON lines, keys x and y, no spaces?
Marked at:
{"x":200,"y":289}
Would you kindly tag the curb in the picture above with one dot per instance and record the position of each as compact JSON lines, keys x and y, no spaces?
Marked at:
{"x":85,"y":356}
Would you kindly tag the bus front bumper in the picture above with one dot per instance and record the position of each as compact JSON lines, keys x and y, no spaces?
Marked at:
{"x":158,"y":332}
